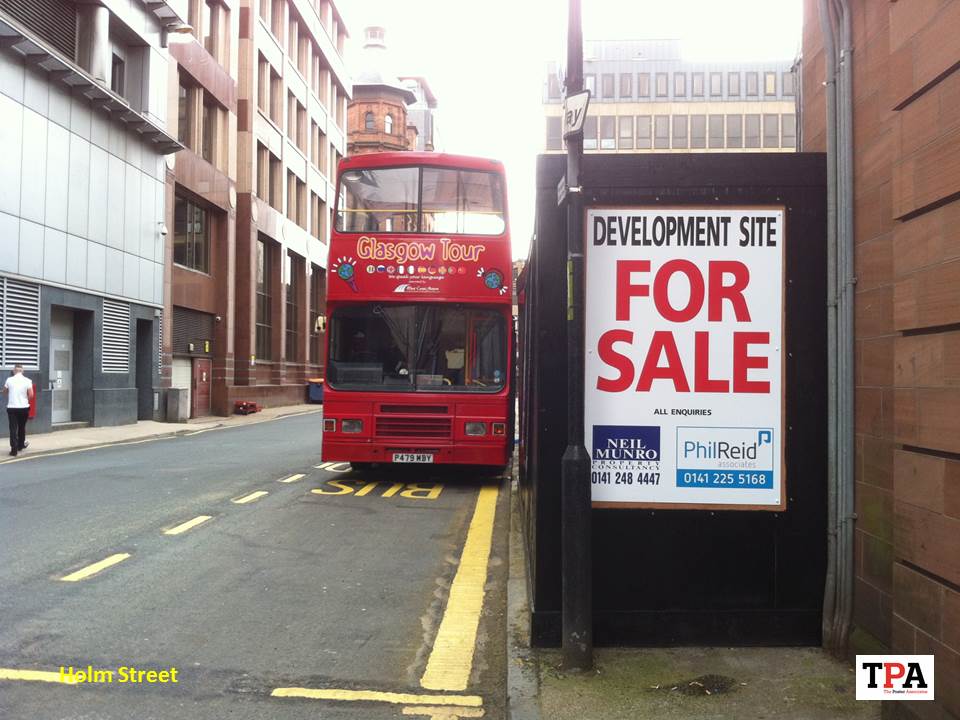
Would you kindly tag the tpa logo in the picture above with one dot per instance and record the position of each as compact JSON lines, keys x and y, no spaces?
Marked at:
{"x":895,"y":677}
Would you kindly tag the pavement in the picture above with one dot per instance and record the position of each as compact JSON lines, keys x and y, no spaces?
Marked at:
{"x":681,"y":683}
{"x":275,"y":584}
{"x":91,"y":437}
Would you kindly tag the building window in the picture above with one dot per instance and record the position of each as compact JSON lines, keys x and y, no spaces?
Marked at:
{"x":294,"y":272}
{"x":608,"y":140}
{"x":318,"y":218}
{"x":554,"y":141}
{"x":590,"y":133}
{"x":276,"y":183}
{"x":733,"y":84}
{"x":751,"y":127}
{"x":643,"y":132}
{"x":184,"y":103}
{"x":276,"y":19}
{"x":590,"y":83}
{"x":716,"y":84}
{"x":276,"y":98}
{"x":211,"y":27}
{"x":679,"y":84}
{"x":771,"y":131}
{"x":553,"y":86}
{"x":301,"y":218}
{"x":698,"y":84}
{"x":625,"y":141}
{"x":607,"y":86}
{"x":263,"y":172}
{"x":317,"y":280}
{"x":265,"y":11}
{"x":264,"y":301}
{"x":369,"y":124}
{"x":752,"y":81}
{"x":191,"y":235}
{"x":680,"y":131}
{"x":663,"y":88}
{"x":770,"y":83}
{"x":388,"y":124}
{"x":643,"y":85}
{"x":116,"y":75}
{"x":263,"y":85}
{"x":789,"y":83}
{"x":661,"y":131}
{"x":734,"y":131}
{"x":698,"y":131}
{"x":291,"y":196}
{"x":626,"y":86}
{"x":209,"y":139}
{"x":789,"y":129}
{"x":716,"y":131}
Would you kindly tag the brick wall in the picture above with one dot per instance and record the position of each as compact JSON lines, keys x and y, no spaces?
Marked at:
{"x":907,"y":231}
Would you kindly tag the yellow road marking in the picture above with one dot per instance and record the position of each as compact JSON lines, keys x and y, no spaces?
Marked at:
{"x":377,"y":696}
{"x":36,"y":676}
{"x":293,"y":478}
{"x":183,"y":527}
{"x":256,"y":495}
{"x":444,"y":713}
{"x":450,"y":661}
{"x":89,"y":570}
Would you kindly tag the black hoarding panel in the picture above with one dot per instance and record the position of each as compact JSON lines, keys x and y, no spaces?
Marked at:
{"x":684,"y":576}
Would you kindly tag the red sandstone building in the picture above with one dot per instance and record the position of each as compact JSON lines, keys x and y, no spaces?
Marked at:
{"x":906,"y":212}
{"x":377,"y":115}
{"x":261,"y":95}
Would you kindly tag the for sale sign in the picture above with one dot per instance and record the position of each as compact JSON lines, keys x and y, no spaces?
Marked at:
{"x":684,"y":357}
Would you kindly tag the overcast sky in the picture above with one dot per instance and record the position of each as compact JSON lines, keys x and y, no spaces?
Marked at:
{"x":486,"y":61}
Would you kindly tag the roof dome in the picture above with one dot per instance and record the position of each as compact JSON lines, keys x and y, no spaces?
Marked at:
{"x":374,"y":63}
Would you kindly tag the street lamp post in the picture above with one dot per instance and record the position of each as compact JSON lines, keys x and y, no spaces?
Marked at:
{"x":577,"y":593}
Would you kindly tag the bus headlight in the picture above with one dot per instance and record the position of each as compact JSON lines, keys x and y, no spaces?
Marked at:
{"x":500,"y":429}
{"x":329,"y":425}
{"x":351,"y":426}
{"x":476,"y":428}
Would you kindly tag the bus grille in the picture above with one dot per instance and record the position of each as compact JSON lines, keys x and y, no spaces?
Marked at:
{"x":414,"y":427}
{"x":415,"y":409}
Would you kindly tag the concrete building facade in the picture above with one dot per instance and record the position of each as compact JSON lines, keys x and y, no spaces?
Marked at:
{"x":645,"y":98}
{"x":292,"y":93}
{"x":201,"y":198}
{"x":83,"y":124}
{"x":906,"y":165}
{"x":423,"y":113}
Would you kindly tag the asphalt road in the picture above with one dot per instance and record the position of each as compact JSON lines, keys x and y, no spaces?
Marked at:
{"x":330,"y":582}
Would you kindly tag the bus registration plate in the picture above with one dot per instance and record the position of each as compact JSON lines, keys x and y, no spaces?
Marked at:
{"x":413,"y":457}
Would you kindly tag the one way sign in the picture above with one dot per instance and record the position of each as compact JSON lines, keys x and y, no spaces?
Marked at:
{"x":574,"y":113}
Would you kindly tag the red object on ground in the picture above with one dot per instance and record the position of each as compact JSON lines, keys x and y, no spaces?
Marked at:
{"x":245,"y":407}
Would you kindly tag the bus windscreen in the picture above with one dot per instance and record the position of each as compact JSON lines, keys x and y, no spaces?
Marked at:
{"x":417,"y":348}
{"x":424,"y":200}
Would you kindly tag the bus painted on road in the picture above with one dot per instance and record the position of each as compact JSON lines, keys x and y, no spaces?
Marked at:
{"x":419,"y":342}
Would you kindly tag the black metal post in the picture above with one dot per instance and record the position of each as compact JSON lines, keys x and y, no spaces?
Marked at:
{"x":577,"y":592}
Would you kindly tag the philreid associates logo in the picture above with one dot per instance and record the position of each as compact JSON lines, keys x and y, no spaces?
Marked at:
{"x":895,"y":677}
{"x":620,"y":446}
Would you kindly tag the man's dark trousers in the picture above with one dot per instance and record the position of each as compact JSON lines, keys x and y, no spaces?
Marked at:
{"x":18,"y":427}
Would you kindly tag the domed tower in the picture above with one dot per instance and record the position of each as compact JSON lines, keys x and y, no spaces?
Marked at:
{"x":377,"y":114}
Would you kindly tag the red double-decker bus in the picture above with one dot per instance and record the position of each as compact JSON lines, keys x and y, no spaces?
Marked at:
{"x":419,"y":356}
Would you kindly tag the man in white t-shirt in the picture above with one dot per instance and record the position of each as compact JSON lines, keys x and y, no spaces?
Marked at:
{"x":19,"y":391}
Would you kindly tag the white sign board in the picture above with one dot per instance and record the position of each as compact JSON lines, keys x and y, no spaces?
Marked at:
{"x":684,"y":357}
{"x":575,"y":112}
